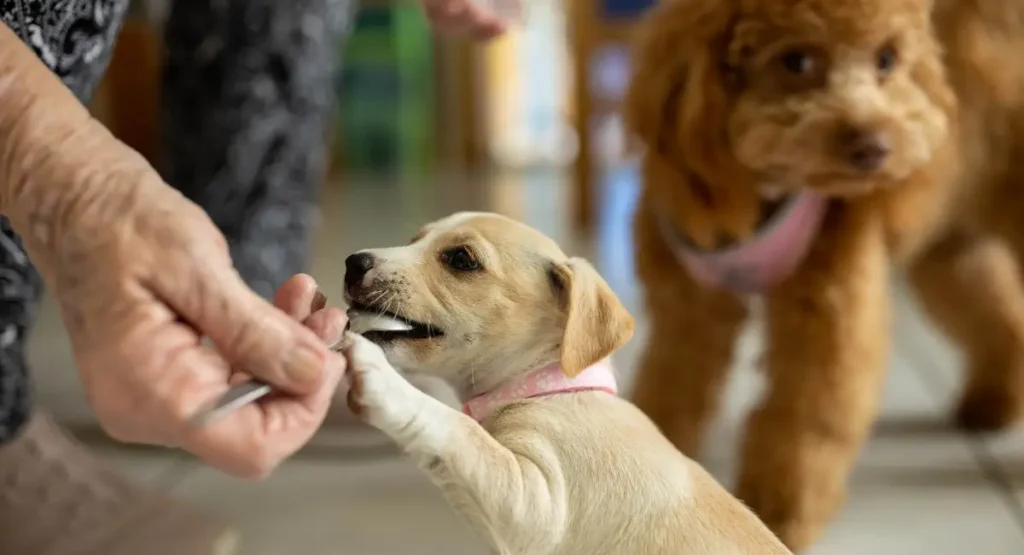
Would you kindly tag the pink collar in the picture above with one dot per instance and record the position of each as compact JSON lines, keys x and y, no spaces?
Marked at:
{"x":540,"y":383}
{"x":775,"y":252}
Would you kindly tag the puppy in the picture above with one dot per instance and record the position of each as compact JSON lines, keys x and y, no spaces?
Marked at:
{"x":545,"y":458}
{"x":798,"y":150}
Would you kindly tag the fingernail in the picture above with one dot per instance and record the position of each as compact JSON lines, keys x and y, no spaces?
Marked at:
{"x":319,"y":301}
{"x":305,"y":365}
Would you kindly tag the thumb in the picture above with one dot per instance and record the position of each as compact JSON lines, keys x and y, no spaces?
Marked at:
{"x":250,"y":333}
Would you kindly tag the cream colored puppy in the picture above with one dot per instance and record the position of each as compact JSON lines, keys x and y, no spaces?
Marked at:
{"x":545,"y":459}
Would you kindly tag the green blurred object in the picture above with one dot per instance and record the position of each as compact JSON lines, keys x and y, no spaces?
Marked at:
{"x":386,"y":90}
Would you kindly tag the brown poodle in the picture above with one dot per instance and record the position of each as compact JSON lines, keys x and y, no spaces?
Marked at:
{"x":896,"y":127}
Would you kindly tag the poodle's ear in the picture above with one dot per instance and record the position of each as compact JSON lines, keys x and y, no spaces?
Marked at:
{"x":678,"y":103}
{"x":678,"y":80}
{"x":596,"y":323}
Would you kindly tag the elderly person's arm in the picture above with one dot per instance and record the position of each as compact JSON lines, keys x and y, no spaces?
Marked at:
{"x":142,"y":276}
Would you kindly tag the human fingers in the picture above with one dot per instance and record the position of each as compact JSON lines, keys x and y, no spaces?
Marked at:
{"x":250,"y":333}
{"x":298,"y":297}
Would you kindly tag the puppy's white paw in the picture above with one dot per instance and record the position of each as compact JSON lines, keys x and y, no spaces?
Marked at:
{"x":378,"y":394}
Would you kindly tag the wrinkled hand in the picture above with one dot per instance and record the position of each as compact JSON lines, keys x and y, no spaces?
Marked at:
{"x":142,"y":276}
{"x":471,"y":17}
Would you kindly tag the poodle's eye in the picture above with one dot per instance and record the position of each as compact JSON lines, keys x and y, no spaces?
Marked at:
{"x":798,"y":62}
{"x":460,"y":259}
{"x":886,"y":59}
{"x":798,"y":69}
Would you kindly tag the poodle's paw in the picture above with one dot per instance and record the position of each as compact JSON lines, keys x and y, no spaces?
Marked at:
{"x":989,"y":409}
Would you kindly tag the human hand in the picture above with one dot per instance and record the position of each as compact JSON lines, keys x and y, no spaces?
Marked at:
{"x":142,"y":276}
{"x":470,"y":18}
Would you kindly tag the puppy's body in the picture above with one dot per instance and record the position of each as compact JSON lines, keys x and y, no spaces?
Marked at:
{"x":579,"y":473}
{"x":909,"y":116}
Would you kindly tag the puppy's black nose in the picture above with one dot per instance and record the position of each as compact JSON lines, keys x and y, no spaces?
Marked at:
{"x":865,"y":150}
{"x":356,"y":266}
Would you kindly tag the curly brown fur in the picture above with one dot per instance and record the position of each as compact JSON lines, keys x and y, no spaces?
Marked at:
{"x":733,"y":97}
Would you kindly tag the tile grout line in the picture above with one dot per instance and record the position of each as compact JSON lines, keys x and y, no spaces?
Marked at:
{"x":990,"y":467}
{"x":994,"y":471}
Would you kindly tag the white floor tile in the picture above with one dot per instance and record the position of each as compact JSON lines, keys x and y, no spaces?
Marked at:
{"x":941,"y":368}
{"x":918,"y":487}
{"x":58,"y":389}
{"x":157,"y":469}
{"x":1007,"y":455}
{"x":339,"y":507}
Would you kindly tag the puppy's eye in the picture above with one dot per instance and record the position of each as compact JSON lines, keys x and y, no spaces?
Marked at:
{"x":886,"y":59}
{"x":460,"y":260}
{"x":797,"y":62}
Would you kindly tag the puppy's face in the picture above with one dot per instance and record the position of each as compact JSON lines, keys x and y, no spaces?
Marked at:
{"x":487,"y":297}
{"x":842,"y":96}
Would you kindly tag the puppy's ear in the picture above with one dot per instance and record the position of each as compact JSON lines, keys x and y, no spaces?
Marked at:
{"x":596,"y":323}
{"x":678,"y":104}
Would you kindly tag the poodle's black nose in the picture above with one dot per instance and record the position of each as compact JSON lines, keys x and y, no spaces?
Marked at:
{"x":865,"y":150}
{"x":356,"y":266}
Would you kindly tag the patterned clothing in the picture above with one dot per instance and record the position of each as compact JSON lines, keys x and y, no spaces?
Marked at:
{"x":72,"y":37}
{"x":248,"y":90}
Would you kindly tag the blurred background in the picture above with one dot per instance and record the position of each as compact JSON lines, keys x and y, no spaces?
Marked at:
{"x":526,"y":126}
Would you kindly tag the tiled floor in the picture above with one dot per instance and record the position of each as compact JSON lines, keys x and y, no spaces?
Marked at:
{"x":920,"y":487}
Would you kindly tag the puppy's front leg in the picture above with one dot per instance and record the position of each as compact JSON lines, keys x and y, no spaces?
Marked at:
{"x":515,"y":493}
{"x":828,"y":341}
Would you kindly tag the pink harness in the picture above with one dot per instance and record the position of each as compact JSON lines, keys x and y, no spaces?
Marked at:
{"x":776,"y":250}
{"x":541,"y":383}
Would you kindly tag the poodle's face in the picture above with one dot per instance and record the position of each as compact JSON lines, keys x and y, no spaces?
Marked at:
{"x":828,"y":93}
{"x":843,"y":96}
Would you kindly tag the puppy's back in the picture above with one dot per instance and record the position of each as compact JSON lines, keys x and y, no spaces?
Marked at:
{"x":629,"y":490}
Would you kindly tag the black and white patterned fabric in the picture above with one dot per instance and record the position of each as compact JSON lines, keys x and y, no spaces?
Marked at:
{"x":74,"y":38}
{"x":248,"y":92}
{"x":20,"y":287}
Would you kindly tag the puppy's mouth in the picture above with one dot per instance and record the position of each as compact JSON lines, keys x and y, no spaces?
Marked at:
{"x":383,"y":326}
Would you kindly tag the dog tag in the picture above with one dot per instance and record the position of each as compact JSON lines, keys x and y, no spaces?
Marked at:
{"x":361,"y":322}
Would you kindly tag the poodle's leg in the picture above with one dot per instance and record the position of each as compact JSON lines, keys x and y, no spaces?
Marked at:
{"x":828,"y":343}
{"x":970,"y":284}
{"x":689,"y":351}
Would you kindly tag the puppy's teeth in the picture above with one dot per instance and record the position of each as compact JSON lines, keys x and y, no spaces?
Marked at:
{"x":362,"y":322}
